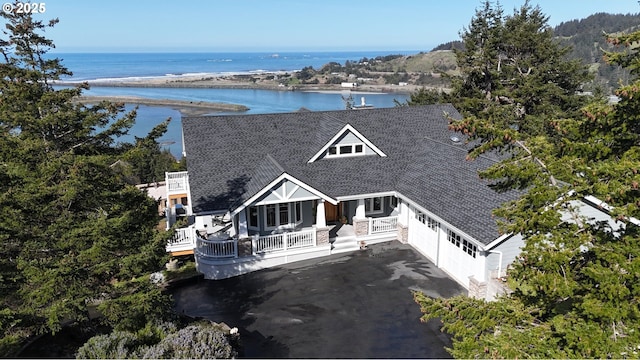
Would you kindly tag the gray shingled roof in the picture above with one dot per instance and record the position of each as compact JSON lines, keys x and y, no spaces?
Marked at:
{"x":230,"y":158}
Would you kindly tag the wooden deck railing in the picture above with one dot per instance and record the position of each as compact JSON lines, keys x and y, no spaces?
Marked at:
{"x":284,"y":241}
{"x":177,"y":181}
{"x":217,"y":248}
{"x":182,"y":239}
{"x":382,"y":225}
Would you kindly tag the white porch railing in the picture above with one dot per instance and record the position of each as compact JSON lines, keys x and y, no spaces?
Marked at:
{"x":382,"y":225}
{"x":217,"y":248}
{"x":182,"y":239}
{"x":177,"y":181}
{"x":284,"y":241}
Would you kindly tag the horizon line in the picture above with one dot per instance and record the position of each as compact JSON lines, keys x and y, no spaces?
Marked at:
{"x":274,"y":52}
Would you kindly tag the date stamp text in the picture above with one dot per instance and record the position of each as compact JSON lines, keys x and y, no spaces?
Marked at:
{"x":24,"y":8}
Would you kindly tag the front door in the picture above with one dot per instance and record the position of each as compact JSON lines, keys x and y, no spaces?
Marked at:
{"x":331,"y":212}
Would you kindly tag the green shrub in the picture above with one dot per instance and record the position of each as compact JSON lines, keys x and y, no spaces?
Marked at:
{"x":204,"y":340}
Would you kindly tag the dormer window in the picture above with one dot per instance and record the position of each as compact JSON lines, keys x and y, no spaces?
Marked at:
{"x":345,"y":150}
{"x":347,"y":142}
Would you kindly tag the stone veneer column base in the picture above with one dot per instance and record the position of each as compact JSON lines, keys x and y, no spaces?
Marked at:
{"x":403,"y":233}
{"x":477,"y":289}
{"x":361,"y":226}
{"x":322,"y":236}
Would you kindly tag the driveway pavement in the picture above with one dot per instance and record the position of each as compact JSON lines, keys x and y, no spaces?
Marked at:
{"x":352,"y":305}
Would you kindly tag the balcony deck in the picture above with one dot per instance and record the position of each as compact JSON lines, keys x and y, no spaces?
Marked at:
{"x":219,"y":256}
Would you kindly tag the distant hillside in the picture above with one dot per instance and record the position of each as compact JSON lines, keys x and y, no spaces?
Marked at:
{"x":433,"y":61}
{"x":586,"y":38}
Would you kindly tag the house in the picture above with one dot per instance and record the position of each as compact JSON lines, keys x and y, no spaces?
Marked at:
{"x":158,"y":192}
{"x":348,"y":85}
{"x":268,"y":189}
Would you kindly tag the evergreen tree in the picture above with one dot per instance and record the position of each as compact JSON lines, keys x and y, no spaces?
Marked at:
{"x":73,"y":234}
{"x":575,"y":284}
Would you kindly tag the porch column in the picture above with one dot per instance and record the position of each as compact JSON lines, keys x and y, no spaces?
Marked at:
{"x":360,"y":222}
{"x":243,"y":232}
{"x":321,"y":221}
{"x":360,"y":213}
{"x":403,"y":216}
{"x":403,"y":222}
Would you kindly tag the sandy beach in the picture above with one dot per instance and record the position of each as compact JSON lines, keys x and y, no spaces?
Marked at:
{"x":187,"y":108}
{"x":261,"y":81}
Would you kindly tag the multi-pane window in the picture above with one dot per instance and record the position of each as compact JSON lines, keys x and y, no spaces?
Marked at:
{"x":469,"y":248}
{"x":347,"y":149}
{"x":271,"y":215}
{"x":432,"y":224}
{"x":284,"y":213}
{"x":278,"y":214}
{"x":373,"y":205}
{"x":454,"y":238}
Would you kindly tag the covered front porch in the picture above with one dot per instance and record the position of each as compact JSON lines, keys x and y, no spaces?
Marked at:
{"x":219,"y":258}
{"x":286,"y":221}
{"x":222,"y":250}
{"x":224,"y":244}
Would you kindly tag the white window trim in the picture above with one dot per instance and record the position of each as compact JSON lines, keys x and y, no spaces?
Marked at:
{"x":352,"y":153}
{"x":393,"y":200}
{"x":370,"y":201}
{"x":291,"y":208}
{"x":469,"y":248}
{"x":463,"y":244}
{"x":257,"y":227}
{"x":345,"y":129}
{"x":457,"y":239}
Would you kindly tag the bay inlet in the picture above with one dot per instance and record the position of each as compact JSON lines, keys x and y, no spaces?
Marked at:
{"x":257,"y":102}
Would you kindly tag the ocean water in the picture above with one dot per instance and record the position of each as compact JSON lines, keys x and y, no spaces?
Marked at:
{"x":114,"y":66}
{"x":92,"y":66}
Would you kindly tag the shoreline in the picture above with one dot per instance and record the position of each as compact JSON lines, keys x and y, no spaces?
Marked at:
{"x":186,"y":108}
{"x":262,"y":81}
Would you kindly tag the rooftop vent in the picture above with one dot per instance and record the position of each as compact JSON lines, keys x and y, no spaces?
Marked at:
{"x":455,"y":138}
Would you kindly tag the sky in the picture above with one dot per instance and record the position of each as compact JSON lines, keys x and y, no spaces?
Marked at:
{"x":281,"y":25}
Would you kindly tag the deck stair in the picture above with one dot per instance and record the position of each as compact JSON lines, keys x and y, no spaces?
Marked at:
{"x":343,"y":244}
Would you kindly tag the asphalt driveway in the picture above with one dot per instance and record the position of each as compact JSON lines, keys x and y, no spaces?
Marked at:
{"x":352,"y":305}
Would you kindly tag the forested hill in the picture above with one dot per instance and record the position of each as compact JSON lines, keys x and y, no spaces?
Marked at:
{"x":586,"y":37}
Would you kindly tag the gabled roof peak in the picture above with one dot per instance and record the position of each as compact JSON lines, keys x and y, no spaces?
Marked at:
{"x":346,"y":129}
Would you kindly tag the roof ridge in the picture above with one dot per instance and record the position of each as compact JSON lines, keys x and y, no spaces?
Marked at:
{"x":326,"y":114}
{"x":461,"y":149}
{"x":275,"y":162}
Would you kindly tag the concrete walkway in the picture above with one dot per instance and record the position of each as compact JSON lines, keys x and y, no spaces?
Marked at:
{"x":350,"y":305}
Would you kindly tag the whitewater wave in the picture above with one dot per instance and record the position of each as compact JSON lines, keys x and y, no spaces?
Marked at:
{"x":177,"y":76}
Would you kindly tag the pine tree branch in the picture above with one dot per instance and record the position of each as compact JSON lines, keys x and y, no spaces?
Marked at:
{"x":552,"y":179}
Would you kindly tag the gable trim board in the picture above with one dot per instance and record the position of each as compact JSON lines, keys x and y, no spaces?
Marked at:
{"x":347,"y":128}
{"x":273,"y":184}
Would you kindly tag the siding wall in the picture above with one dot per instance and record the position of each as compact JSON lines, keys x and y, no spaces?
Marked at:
{"x":510,"y":249}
